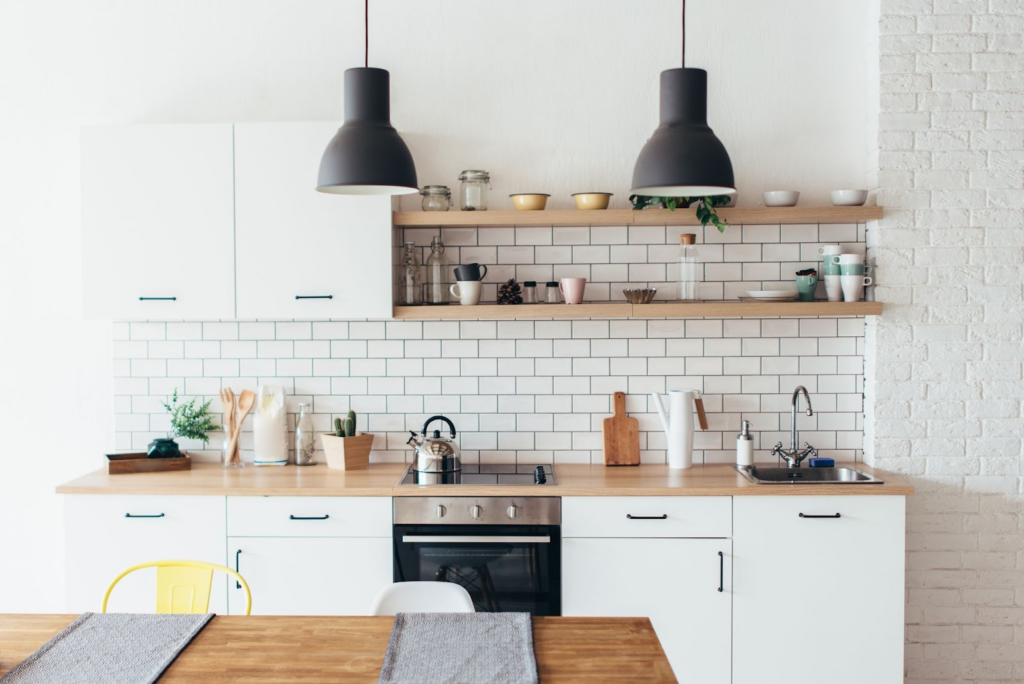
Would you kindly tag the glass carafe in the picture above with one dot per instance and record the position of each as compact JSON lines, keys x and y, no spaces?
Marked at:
{"x":410,"y":286}
{"x":305,"y":437}
{"x":435,"y":291}
{"x":689,"y":269}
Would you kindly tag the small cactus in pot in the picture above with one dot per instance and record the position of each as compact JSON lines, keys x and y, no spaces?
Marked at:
{"x":345,"y":427}
{"x":346,"y":449}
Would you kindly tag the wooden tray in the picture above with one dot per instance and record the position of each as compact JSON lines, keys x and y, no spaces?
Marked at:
{"x":137,"y":462}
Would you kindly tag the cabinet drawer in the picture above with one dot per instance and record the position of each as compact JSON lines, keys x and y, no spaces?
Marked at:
{"x":309,"y":516}
{"x":647,"y":516}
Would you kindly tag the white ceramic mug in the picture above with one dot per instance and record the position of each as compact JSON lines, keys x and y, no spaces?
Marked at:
{"x":848,"y":259}
{"x":467,"y":291}
{"x":572,"y":289}
{"x":853,"y":286}
{"x":829,"y":250}
{"x":833,"y":288}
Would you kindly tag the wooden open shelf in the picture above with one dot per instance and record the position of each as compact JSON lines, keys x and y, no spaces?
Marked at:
{"x":628,"y":217}
{"x":729,"y":309}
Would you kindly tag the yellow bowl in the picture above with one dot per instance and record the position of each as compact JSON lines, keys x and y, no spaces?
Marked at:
{"x":534,"y":201}
{"x":592,"y":200}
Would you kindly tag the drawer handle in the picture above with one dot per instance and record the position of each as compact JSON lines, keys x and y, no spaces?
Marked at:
{"x":314,"y":296}
{"x":663,"y":516}
{"x":129,"y":515}
{"x":721,"y":572}
{"x":820,"y":516}
{"x":158,"y":299}
{"x":315,"y":517}
{"x":237,"y":554}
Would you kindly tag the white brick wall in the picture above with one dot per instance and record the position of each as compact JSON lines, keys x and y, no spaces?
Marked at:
{"x":944,"y":384}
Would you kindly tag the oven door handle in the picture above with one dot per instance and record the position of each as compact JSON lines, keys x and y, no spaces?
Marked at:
{"x":482,"y":539}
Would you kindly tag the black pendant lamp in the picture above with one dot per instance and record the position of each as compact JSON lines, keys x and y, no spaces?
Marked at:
{"x":683,"y":158}
{"x":367,"y":156}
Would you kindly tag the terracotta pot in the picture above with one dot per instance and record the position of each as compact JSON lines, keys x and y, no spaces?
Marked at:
{"x":347,"y":453}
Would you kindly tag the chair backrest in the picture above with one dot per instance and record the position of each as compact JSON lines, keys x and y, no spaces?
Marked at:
{"x":183,"y":586}
{"x":422,"y":597}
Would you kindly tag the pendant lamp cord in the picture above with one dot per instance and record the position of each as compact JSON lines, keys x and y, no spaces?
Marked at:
{"x":684,"y":33}
{"x":366,"y":26}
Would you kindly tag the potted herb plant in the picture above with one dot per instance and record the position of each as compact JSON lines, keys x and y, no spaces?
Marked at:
{"x":347,"y":449}
{"x":706,"y":206}
{"x":188,"y":421}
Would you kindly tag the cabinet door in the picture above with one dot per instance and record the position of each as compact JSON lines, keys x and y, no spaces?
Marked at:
{"x":828,"y":591}
{"x":158,"y":222}
{"x":309,"y":576}
{"x":108,"y":534}
{"x":674,"y":582}
{"x":302,"y":253}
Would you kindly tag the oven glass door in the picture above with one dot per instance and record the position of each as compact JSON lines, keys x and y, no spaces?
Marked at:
{"x":505,"y":568}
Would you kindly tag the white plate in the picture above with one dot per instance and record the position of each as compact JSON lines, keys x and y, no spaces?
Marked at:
{"x":776,"y":295}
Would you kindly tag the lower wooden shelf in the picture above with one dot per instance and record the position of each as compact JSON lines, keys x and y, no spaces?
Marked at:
{"x":723,"y":309}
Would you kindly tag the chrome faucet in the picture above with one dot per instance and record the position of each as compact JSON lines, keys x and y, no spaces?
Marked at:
{"x":794,"y":456}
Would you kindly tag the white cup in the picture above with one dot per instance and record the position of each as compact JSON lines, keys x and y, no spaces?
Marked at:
{"x":833,"y":288}
{"x":853,"y":286}
{"x":848,"y":259}
{"x":829,"y":250}
{"x":467,"y":292}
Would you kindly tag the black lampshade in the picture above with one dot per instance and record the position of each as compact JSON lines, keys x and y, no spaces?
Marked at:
{"x":683,"y":158}
{"x":367,"y":156}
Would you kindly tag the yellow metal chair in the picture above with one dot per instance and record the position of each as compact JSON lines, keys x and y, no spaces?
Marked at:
{"x":183,"y":586}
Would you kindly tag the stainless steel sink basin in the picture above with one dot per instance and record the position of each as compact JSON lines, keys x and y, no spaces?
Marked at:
{"x":808,"y":476}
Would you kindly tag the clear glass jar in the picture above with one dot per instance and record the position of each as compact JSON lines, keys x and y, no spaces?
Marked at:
{"x":475,"y":190}
{"x":435,"y":290}
{"x":305,"y":437}
{"x":410,"y":285}
{"x":689,"y":269}
{"x":230,"y":456}
{"x":529,"y":292}
{"x":436,"y":198}
{"x":551,"y":293}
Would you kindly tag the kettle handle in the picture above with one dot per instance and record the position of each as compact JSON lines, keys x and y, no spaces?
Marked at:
{"x":433,"y":418}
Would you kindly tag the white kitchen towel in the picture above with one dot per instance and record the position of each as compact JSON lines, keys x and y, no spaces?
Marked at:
{"x":460,"y":648}
{"x":109,"y":648}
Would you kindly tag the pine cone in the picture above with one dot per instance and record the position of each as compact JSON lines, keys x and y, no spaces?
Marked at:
{"x":510,"y":293}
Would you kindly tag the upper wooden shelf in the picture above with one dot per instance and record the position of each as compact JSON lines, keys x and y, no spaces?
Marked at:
{"x":628,"y":217}
{"x":730,"y":309}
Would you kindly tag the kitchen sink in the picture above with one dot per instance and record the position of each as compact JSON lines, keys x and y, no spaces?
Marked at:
{"x":808,"y":476}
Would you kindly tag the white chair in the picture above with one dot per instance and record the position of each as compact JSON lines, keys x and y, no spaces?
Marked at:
{"x":422,"y":597}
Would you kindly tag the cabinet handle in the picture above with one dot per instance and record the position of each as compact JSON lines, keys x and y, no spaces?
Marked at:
{"x":820,"y":516}
{"x":314,"y":296}
{"x":315,"y":517}
{"x":238,"y":553}
{"x":129,"y":515}
{"x":721,"y":572}
{"x":158,"y":299}
{"x":663,"y":516}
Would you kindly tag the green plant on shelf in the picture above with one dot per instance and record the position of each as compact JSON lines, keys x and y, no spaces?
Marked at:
{"x":190,"y":421}
{"x":706,"y":207}
{"x":345,"y":427}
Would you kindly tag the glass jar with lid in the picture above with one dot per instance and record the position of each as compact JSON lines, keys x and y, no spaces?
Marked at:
{"x":436,"y":198}
{"x":475,"y":189}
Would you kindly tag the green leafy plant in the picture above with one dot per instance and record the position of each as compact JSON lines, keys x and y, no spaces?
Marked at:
{"x":345,"y":427}
{"x":706,"y":212}
{"x":189,"y":421}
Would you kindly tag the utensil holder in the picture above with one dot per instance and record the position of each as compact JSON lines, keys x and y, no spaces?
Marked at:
{"x":347,"y":453}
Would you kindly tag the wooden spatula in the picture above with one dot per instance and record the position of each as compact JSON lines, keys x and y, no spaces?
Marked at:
{"x":245,"y":402}
{"x":621,"y":436}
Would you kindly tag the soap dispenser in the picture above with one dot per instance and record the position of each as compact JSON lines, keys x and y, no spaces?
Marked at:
{"x":744,"y":446}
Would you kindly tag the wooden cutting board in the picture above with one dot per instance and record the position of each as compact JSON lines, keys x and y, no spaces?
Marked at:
{"x":621,"y":436}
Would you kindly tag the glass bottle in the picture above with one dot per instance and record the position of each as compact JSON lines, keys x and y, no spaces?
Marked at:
{"x":530,"y":292}
{"x":475,"y":189}
{"x":551,"y":294}
{"x":410,"y":286}
{"x":435,"y":291}
{"x":305,"y":438}
{"x":436,"y":198}
{"x":689,"y":268}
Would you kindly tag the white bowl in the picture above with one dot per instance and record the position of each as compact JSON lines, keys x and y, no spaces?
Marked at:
{"x":849,"y":198}
{"x":781,"y":198}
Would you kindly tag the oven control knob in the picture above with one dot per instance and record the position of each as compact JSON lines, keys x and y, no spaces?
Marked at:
{"x":514,"y":512}
{"x":440,"y":511}
{"x":475,"y":511}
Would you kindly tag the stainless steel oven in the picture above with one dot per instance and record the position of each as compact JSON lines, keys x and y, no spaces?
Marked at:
{"x":506,"y":551}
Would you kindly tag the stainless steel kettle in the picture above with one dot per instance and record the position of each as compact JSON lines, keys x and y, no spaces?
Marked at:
{"x":434,"y":453}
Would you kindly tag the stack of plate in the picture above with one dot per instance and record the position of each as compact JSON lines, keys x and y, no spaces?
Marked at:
{"x":771,"y":296}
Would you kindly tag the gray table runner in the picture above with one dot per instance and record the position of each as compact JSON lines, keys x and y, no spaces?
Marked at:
{"x":460,"y":648}
{"x":113,"y":648}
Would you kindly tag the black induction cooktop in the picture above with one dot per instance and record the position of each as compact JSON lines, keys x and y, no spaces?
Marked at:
{"x":485,"y":474}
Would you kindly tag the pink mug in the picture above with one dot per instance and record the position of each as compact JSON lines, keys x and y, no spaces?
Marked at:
{"x":572,"y":289}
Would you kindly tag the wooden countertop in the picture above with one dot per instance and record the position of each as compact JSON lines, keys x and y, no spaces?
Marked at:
{"x":382,"y":480}
{"x":351,"y":649}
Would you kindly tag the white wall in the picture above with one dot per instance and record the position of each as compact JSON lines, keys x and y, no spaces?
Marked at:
{"x":548,"y":96}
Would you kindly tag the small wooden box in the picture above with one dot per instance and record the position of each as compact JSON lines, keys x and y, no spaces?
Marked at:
{"x":348,"y":453}
{"x":137,"y":462}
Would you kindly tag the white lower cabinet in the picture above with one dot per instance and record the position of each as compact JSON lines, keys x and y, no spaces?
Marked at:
{"x":818,"y":589}
{"x":108,"y":534}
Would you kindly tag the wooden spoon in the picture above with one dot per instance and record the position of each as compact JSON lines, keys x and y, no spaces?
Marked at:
{"x":245,"y":404}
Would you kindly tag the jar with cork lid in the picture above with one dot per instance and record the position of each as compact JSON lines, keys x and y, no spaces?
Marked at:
{"x":689,"y":268}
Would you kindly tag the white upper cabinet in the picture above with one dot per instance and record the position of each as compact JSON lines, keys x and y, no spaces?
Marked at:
{"x":301,"y":253}
{"x":158,"y":222}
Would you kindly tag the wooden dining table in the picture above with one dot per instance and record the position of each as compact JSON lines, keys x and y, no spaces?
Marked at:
{"x":269,"y":649}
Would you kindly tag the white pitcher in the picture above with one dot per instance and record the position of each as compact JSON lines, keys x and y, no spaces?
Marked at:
{"x":678,"y":426}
